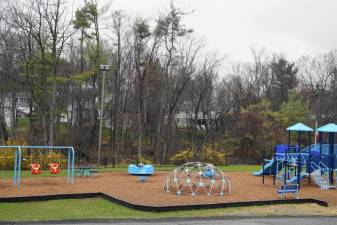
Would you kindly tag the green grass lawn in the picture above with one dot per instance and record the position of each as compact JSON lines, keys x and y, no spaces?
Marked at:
{"x":97,"y":208}
{"x":6,"y":174}
{"x":79,"y":209}
{"x":45,"y":173}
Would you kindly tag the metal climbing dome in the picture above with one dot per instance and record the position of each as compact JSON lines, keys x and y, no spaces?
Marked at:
{"x":197,"y":178}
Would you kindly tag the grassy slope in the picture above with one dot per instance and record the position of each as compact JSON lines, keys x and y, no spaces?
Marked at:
{"x":99,"y":208}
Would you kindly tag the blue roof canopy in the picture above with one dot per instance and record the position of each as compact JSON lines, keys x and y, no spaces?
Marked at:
{"x":328,"y":128}
{"x":299,"y":127}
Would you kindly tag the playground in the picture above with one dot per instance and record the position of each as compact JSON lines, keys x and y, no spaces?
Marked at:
{"x":297,"y":173}
{"x":150,"y":193}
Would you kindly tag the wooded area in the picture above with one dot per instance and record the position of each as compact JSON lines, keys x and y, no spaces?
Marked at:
{"x":160,"y":70}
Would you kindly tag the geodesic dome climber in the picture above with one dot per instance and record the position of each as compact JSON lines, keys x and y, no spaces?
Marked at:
{"x":197,"y":178}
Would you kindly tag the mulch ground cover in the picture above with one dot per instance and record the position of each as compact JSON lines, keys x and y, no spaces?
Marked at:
{"x":245,"y":187}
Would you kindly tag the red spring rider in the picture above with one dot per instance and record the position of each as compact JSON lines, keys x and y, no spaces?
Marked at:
{"x":35,"y":168}
{"x":54,"y":168}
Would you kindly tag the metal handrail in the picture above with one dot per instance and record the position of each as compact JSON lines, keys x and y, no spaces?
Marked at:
{"x":322,"y":165}
{"x":291,"y":156}
{"x":313,"y":165}
{"x":323,"y":169}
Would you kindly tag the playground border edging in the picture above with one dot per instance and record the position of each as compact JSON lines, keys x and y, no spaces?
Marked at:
{"x":160,"y":208}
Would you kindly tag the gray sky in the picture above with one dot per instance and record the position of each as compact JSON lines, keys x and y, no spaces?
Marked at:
{"x":231,"y":27}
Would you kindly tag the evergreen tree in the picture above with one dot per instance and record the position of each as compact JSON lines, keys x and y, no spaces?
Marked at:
{"x":283,"y":80}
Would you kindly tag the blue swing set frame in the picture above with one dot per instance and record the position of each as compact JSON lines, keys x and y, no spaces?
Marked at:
{"x":18,"y":158}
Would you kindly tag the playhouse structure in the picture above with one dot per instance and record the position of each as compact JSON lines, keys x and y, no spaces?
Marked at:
{"x":293,"y":162}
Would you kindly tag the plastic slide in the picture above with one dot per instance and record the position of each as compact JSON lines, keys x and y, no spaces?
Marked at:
{"x":267,"y":169}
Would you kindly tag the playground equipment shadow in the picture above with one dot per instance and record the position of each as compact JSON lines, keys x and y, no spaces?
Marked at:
{"x":125,"y":188}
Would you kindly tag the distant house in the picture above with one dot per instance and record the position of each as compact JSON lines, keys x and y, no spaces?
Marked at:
{"x":22,"y":100}
{"x":185,"y":117}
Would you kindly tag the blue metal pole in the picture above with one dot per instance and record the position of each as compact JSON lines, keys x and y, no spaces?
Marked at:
{"x":275,"y":167}
{"x":72,"y":166}
{"x":286,"y":159}
{"x":320,"y":140}
{"x":331,"y":154}
{"x":15,"y":166}
{"x":263,"y":158}
{"x":299,"y":168}
{"x":68,"y":170}
{"x":309,"y":163}
{"x":19,"y":167}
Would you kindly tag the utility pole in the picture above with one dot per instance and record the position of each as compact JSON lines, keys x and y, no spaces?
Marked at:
{"x":103,"y":68}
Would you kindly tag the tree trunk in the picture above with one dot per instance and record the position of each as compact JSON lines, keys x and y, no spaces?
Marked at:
{"x":158,"y":128}
{"x":3,"y":130}
{"x":13,"y":114}
{"x":51,"y":116}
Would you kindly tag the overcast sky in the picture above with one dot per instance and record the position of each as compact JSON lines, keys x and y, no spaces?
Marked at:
{"x":231,"y":27}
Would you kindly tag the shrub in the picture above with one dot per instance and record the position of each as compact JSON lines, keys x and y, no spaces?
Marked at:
{"x":144,"y":160}
{"x":183,"y":156}
{"x":208,"y":154}
{"x":43,"y":157}
{"x":7,"y":155}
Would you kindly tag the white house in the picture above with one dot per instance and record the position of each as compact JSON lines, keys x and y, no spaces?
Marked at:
{"x":185,"y":116}
{"x":22,"y":106}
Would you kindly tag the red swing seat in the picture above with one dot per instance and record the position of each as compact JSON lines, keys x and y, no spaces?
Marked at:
{"x":54,"y":168}
{"x":35,"y":168}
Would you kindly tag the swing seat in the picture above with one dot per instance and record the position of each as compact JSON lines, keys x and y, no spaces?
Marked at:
{"x":35,"y":168}
{"x":54,"y":168}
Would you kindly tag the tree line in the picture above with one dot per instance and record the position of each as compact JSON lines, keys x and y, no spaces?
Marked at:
{"x":159,"y":69}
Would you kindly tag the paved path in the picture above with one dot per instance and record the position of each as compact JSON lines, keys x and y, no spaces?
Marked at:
{"x":215,"y":221}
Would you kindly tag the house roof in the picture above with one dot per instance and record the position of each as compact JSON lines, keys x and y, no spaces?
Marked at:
{"x":299,"y":127}
{"x":329,"y":128}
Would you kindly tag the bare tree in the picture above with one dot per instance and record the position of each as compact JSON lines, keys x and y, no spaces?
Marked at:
{"x":201,"y":96}
{"x":182,"y":74}
{"x":319,"y":84}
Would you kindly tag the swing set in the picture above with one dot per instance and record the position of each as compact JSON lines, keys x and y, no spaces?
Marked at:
{"x":36,"y":168}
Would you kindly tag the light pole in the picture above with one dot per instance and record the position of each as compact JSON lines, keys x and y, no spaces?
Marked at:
{"x":103,"y":68}
{"x":140,"y":96}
